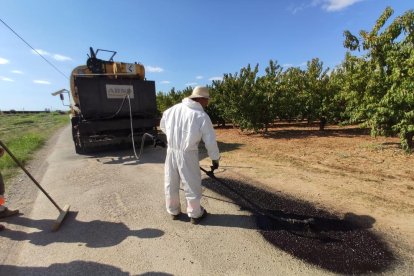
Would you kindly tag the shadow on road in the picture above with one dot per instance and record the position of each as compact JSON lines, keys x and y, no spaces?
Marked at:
{"x":341,"y":245}
{"x":127,"y":157}
{"x":72,"y":268}
{"x":94,"y":234}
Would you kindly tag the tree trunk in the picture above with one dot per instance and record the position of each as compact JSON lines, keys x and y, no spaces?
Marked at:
{"x":409,"y":136}
{"x":322,"y":123}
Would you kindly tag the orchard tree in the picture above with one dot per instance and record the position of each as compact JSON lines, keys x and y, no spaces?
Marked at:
{"x":162,"y":104}
{"x":289,"y":102}
{"x":268,"y":93}
{"x":165,"y":101}
{"x":336,"y":104}
{"x":389,"y":62}
{"x":351,"y":79}
{"x":315,"y":97}
{"x":212,"y":108}
{"x":185,"y":92}
{"x":249,"y":98}
{"x":226,"y":96}
{"x":238,"y":98}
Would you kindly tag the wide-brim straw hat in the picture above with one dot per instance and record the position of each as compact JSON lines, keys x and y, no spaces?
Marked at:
{"x":200,"y":92}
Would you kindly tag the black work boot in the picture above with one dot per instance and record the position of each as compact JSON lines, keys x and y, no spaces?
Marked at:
{"x":197,"y":220}
{"x":7,"y":213}
{"x":175,"y":217}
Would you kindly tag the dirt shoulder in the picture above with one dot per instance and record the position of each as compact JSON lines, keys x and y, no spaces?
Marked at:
{"x":342,"y":170}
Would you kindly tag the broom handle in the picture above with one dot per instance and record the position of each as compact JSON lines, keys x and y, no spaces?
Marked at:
{"x":29,"y":175}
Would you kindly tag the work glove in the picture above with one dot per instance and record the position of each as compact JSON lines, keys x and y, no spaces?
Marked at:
{"x":215,"y":164}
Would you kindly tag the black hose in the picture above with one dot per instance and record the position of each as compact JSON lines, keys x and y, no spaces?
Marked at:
{"x":254,"y":207}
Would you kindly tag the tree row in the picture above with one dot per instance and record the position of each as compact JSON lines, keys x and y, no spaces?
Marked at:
{"x":373,"y":87}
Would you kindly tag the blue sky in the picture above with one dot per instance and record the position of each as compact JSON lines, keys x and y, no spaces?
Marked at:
{"x":180,"y":43}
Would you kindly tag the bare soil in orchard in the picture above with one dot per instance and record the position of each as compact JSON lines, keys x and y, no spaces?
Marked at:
{"x":342,"y":170}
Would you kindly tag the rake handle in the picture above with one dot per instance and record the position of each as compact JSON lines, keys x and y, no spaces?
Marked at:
{"x":29,"y":175}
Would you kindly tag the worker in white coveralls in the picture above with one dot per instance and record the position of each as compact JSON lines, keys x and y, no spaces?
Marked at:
{"x":185,"y":125}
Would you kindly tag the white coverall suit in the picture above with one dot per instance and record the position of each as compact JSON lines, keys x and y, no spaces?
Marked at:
{"x":185,"y":124}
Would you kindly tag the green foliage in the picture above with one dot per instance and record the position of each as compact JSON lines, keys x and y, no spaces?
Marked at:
{"x":23,"y":134}
{"x":289,"y":102}
{"x":269,"y":87}
{"x":351,"y":80}
{"x":315,"y":98}
{"x":334,"y":103}
{"x":247,"y":100}
{"x":383,"y":95}
{"x":213,"y":110}
{"x":227,"y":97}
{"x":165,"y":101}
{"x":21,"y":148}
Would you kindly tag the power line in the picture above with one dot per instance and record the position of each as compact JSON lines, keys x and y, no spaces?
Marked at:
{"x":51,"y":64}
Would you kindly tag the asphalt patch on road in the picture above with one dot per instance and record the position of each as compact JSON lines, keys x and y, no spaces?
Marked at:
{"x":341,"y":245}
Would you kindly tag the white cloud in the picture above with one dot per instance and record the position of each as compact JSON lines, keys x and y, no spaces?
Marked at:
{"x":17,"y":72}
{"x":154,"y":69}
{"x":191,"y":84}
{"x":40,"y":51}
{"x":296,"y":9}
{"x":334,"y":5}
{"x":4,"y":61}
{"x":57,"y":57}
{"x":165,"y":82}
{"x":61,"y":58}
{"x":41,"y":82}
{"x":216,"y":78}
{"x":293,"y":65}
{"x":327,"y":5}
{"x":5,"y":79}
{"x":199,"y":77}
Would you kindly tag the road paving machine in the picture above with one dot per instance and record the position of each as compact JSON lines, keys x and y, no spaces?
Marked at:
{"x":111,"y":103}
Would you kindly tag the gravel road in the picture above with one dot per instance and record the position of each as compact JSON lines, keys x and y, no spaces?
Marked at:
{"x":118,"y":224}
